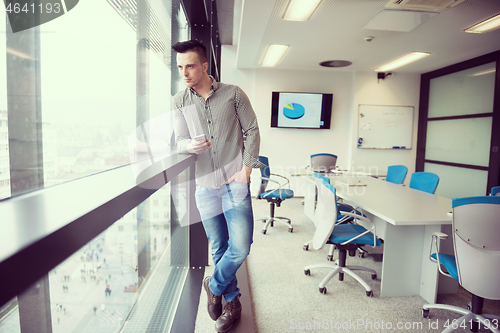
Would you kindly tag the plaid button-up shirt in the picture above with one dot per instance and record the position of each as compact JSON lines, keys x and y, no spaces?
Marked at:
{"x":225,"y":117}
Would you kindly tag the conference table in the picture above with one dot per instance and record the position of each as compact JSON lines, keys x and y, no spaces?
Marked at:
{"x":404,"y":218}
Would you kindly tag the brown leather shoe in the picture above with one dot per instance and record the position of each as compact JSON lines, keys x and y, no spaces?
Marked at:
{"x":232,"y":311}
{"x":214,"y":302}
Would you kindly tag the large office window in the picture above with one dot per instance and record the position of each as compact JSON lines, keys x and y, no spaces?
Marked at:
{"x":88,"y":68}
{"x":72,"y":93}
{"x":456,"y":137}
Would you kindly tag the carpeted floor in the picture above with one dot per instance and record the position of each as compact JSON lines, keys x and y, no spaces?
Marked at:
{"x":284,"y":299}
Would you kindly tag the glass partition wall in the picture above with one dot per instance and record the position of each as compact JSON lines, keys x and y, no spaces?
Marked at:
{"x":458,"y":112}
{"x":72,"y":93}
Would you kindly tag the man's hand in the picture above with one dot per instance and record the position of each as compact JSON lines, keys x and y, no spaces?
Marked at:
{"x":198,"y":146}
{"x":242,"y":176}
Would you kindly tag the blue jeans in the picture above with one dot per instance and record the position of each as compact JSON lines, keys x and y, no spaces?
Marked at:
{"x":227,"y":217}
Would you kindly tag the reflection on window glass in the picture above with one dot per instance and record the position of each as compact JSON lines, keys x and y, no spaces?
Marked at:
{"x":88,"y":91}
{"x":4,"y":131}
{"x":461,"y":93}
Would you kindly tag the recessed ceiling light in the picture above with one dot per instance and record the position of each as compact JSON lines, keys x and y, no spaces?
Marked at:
{"x":274,"y":54}
{"x":485,"y":26}
{"x":300,"y":10}
{"x":335,"y":63}
{"x":404,"y":60}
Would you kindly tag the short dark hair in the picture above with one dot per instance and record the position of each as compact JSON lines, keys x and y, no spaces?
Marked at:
{"x":194,"y":46}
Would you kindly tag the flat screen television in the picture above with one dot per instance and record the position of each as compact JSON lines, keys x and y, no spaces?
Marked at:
{"x":301,"y":110}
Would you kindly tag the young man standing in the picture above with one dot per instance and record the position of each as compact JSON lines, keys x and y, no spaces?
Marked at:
{"x":219,"y":116}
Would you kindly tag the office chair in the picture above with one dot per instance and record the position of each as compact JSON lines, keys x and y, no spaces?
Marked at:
{"x":341,"y":207}
{"x":345,"y":237}
{"x":323,"y":162}
{"x":476,"y":260}
{"x":424,"y":181}
{"x":274,"y":196}
{"x":396,"y":174}
{"x":495,"y":191}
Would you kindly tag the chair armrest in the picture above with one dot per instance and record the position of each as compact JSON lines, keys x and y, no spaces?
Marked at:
{"x":440,"y":235}
{"x":434,"y":240}
{"x":272,"y":181}
{"x":372,"y":229}
{"x":287,"y":180}
{"x":356,"y":216}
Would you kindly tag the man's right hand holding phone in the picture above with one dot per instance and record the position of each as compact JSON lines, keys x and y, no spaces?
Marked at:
{"x":198,"y":145}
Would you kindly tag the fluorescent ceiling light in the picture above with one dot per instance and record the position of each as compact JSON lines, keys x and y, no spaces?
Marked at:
{"x":274,"y":54}
{"x":300,"y":10}
{"x":404,"y":60}
{"x":485,"y":26}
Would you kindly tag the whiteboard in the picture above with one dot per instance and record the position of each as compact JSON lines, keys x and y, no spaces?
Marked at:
{"x":385,"y":127}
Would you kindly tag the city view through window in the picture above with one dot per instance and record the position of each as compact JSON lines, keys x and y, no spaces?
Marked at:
{"x":93,"y":88}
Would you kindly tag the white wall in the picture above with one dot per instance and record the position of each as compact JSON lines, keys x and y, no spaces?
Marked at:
{"x":289,"y":150}
{"x":399,"y":90}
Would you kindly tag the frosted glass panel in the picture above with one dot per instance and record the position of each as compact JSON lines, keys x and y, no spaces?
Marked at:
{"x":458,"y":182}
{"x":465,"y":141}
{"x":465,"y":92}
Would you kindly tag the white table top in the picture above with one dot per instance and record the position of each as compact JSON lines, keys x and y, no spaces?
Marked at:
{"x":396,"y":204}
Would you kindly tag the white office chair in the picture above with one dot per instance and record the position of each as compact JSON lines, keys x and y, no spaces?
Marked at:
{"x":345,"y":237}
{"x":476,"y":260}
{"x":341,"y":208}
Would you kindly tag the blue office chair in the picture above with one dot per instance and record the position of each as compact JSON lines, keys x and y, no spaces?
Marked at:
{"x":475,"y":263}
{"x":495,"y":191}
{"x":274,"y":196}
{"x":396,"y":174}
{"x":424,"y":181}
{"x":323,"y":162}
{"x":345,"y":237}
{"x":341,"y":207}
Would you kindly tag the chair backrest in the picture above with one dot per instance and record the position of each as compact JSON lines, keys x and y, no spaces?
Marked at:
{"x":319,"y":178}
{"x":323,"y":162}
{"x":326,"y":215}
{"x":396,"y":174}
{"x":424,"y":181}
{"x":495,"y":191}
{"x":265,"y":172}
{"x":476,"y":227}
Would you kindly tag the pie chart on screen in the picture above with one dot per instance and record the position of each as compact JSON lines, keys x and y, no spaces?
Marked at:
{"x":294,"y":111}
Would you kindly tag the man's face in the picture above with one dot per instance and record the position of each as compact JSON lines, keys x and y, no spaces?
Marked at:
{"x":191,"y":69}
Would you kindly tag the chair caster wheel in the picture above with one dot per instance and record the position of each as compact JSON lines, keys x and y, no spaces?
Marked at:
{"x":329,"y":258}
{"x":305,"y":247}
{"x":307,"y":272}
{"x":264,"y":232}
{"x":374,"y":276}
{"x":290,"y":230}
{"x":425,"y":313}
{"x":469,"y":306}
{"x":322,"y":290}
{"x":369,"y":293}
{"x":361,"y":254}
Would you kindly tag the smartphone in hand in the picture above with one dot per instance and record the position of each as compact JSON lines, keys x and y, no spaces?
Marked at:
{"x":200,"y":137}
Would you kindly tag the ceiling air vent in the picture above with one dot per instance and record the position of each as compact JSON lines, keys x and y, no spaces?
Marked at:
{"x":423,"y":5}
{"x":335,"y":63}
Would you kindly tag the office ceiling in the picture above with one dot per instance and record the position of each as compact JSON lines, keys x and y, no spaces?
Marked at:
{"x":335,"y":32}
